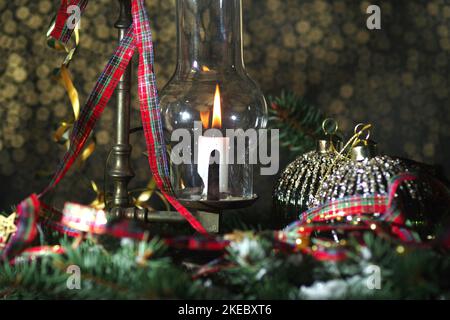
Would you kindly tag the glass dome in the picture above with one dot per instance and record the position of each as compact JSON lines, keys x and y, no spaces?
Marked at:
{"x":211,"y":89}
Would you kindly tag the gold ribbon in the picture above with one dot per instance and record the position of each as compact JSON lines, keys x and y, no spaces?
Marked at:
{"x":141,"y":200}
{"x":99,"y":201}
{"x":66,"y":81}
{"x":62,"y":75}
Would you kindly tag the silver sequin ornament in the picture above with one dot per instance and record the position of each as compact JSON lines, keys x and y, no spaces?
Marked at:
{"x":300,"y":180}
{"x":368,"y":173}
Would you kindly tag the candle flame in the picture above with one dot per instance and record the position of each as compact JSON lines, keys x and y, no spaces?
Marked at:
{"x":217,"y":116}
{"x":204,"y":116}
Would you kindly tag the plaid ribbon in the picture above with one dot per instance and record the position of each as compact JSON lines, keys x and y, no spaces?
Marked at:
{"x":348,"y":206}
{"x":28,"y":211}
{"x":95,"y":105}
{"x":151,"y":112}
{"x":301,"y":235}
{"x":382,"y":214}
{"x":76,"y":221}
{"x":50,"y":218}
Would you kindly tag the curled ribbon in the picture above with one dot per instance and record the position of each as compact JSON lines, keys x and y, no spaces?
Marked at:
{"x":62,"y":75}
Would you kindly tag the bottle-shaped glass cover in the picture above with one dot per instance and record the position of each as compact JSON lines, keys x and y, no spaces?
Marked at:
{"x":210,"y":89}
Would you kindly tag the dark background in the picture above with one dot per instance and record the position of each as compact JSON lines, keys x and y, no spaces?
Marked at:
{"x":397,"y":78}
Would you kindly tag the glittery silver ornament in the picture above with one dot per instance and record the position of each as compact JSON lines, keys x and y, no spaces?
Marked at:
{"x":301,"y":179}
{"x":368,"y":173}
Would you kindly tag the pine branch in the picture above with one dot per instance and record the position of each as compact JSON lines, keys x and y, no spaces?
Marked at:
{"x":117,"y":275}
{"x":299,"y":122}
{"x":254,"y":270}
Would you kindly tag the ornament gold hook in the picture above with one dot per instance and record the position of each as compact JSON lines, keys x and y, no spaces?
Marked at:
{"x":359,"y":129}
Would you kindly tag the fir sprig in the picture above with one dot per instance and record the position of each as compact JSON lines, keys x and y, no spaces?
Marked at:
{"x":299,"y":122}
{"x":140,"y":270}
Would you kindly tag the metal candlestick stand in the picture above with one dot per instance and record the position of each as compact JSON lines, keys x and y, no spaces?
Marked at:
{"x":121,"y":172}
{"x":207,"y":212}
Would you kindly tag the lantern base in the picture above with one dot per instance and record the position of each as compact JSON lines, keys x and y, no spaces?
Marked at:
{"x":219,"y":205}
{"x":207,"y":212}
{"x":209,"y":220}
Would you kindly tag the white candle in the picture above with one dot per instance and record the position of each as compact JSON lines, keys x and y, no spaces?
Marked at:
{"x":206,"y":145}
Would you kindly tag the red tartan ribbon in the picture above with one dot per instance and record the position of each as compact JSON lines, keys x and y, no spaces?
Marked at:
{"x":382,"y":214}
{"x":137,"y":36}
{"x":28,"y":211}
{"x":299,"y":236}
{"x":365,"y":206}
{"x":77,"y":220}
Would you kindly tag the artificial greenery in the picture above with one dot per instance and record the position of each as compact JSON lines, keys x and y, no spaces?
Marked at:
{"x":250,"y":269}
{"x":299,"y":122}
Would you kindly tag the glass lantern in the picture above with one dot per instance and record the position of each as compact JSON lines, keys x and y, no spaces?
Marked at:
{"x":211,"y":89}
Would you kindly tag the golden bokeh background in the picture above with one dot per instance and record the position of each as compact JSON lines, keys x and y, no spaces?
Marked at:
{"x":396,"y":78}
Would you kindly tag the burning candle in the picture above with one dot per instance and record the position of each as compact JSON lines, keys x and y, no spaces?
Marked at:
{"x":208,"y":147}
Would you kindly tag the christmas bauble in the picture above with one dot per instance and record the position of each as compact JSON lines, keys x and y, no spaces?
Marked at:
{"x":301,"y":179}
{"x":367,"y":174}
